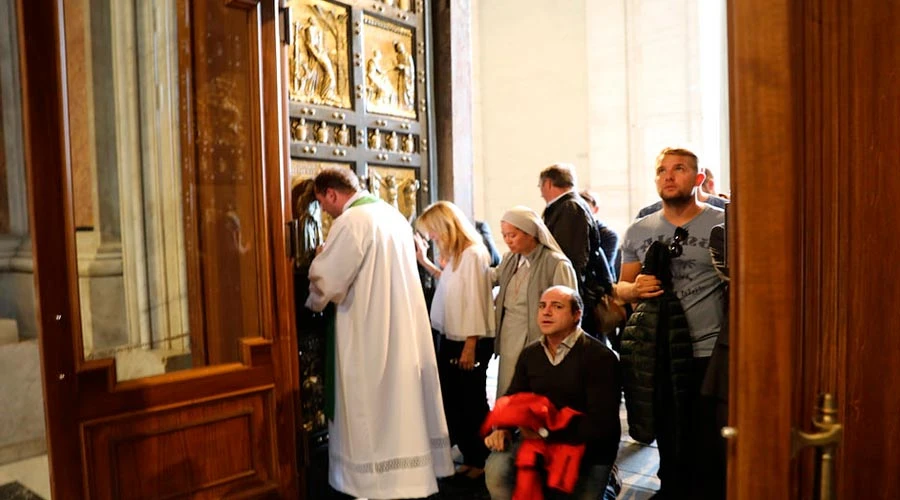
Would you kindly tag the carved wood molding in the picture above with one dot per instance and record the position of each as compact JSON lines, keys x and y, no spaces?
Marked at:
{"x":242,"y":4}
{"x":256,"y":351}
{"x":199,"y":448}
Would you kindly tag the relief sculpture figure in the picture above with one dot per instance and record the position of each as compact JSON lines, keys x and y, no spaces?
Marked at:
{"x":322,"y":76}
{"x":409,"y":144}
{"x":299,"y":129}
{"x":322,"y":133}
{"x":375,"y":139}
{"x":389,"y":183}
{"x":303,"y":81}
{"x":393,"y":142}
{"x":406,"y":77}
{"x":378,"y":84}
{"x":409,"y":188}
{"x":343,"y":135}
{"x":390,"y":189}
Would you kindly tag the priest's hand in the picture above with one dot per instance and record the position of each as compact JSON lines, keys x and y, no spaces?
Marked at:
{"x":496,"y":441}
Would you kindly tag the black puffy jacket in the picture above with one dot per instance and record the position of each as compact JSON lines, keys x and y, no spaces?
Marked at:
{"x":657,"y":329}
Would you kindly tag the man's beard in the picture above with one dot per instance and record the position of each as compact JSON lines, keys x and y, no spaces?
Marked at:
{"x":679,"y":201}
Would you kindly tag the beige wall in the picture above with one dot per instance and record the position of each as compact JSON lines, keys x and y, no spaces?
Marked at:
{"x":603,"y":85}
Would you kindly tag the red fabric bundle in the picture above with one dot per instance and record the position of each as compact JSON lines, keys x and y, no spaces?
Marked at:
{"x":560,"y":460}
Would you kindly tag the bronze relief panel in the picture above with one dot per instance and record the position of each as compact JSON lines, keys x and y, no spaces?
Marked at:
{"x":390,"y":68}
{"x":319,"y":57}
{"x":397,"y":186}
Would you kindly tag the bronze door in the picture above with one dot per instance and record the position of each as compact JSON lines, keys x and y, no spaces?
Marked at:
{"x":358,"y":94}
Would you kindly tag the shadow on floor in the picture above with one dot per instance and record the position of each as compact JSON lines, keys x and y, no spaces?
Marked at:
{"x":15,"y":491}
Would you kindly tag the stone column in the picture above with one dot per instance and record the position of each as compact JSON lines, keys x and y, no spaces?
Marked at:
{"x":16,"y":262}
{"x":100,"y":267}
{"x":452,"y":46}
{"x":22,"y":421}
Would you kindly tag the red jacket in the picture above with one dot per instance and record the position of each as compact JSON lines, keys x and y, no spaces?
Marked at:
{"x":560,"y":460}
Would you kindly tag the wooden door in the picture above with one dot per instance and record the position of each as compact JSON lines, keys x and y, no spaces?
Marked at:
{"x":814,"y":107}
{"x":225,"y":427}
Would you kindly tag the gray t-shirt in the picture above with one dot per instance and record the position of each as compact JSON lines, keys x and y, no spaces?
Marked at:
{"x":694,"y":278}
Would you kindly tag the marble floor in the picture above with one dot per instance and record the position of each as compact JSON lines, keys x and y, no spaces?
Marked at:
{"x":32,"y":474}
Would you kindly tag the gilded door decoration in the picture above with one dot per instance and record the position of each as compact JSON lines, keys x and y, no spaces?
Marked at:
{"x":400,"y":4}
{"x":300,"y":130}
{"x":393,"y":142}
{"x":319,"y":72}
{"x":396,"y":186}
{"x":375,"y":139}
{"x":342,"y":135}
{"x":409,"y":144}
{"x":322,"y":133}
{"x":390,"y":69}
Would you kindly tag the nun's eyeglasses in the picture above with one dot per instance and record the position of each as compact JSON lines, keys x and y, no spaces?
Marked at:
{"x":680,"y":236}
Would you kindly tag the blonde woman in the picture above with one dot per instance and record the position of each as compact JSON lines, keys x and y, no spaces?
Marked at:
{"x":463,"y":313}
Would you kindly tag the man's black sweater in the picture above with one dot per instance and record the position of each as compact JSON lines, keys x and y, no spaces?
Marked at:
{"x":588,"y":380}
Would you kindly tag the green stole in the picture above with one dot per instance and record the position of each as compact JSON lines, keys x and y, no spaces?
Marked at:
{"x":330,"y":344}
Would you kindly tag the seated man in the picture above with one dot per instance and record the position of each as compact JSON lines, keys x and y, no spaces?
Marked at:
{"x":572,"y":370}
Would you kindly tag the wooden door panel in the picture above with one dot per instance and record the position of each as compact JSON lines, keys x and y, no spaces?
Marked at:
{"x":814,"y":127}
{"x":201,"y":449}
{"x":869,"y":458}
{"x":227,"y":428}
{"x":222,"y":147}
{"x":101,"y":395}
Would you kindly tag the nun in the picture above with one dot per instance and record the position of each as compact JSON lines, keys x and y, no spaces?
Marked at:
{"x":534,"y":263}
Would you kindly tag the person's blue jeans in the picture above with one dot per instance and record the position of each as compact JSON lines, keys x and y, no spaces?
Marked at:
{"x":500,"y":477}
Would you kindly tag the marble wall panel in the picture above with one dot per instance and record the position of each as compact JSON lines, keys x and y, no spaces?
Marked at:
{"x":81,"y":137}
{"x":22,"y":419}
{"x":4,"y":195}
{"x":103,"y":313}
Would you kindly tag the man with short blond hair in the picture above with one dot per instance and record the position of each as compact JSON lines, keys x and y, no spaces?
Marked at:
{"x":709,"y":198}
{"x":689,"y":465}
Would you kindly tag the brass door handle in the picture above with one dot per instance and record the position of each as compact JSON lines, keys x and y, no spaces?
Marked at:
{"x":825,"y":441}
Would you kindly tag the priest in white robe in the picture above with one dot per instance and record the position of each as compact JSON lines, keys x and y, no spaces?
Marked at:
{"x":387,"y":434}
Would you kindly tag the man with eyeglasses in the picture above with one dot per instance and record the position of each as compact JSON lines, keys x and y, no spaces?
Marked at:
{"x":694,"y":470}
{"x":571,"y":223}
